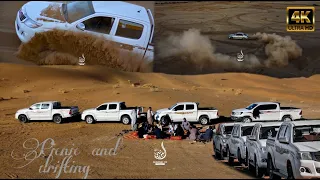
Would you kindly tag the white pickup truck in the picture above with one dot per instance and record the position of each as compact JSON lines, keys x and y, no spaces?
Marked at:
{"x":223,"y":133}
{"x":266,"y":111}
{"x":189,"y":110}
{"x":236,"y":144}
{"x":111,"y":111}
{"x":295,"y":151}
{"x":50,"y":110}
{"x":130,"y":26}
{"x":256,"y":146}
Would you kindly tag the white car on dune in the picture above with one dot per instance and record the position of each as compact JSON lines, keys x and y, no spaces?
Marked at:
{"x":238,"y":35}
{"x":130,"y":26}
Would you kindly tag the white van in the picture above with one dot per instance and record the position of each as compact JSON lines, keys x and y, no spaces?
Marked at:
{"x":130,"y":26}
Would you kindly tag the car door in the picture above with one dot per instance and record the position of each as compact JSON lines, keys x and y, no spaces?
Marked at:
{"x":113,"y":112}
{"x":177,"y":114}
{"x":278,"y":148}
{"x":234,"y":137}
{"x":284,"y":152}
{"x":45,"y":111}
{"x":132,"y":35}
{"x":101,"y":113}
{"x":34,"y":112}
{"x":269,"y":112}
{"x":251,"y":144}
{"x":191,"y":113}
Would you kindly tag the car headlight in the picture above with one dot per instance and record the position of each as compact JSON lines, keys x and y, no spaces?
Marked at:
{"x":32,"y":24}
{"x":237,"y":113}
{"x":306,"y":156}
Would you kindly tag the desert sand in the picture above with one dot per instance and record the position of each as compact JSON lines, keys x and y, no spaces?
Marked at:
{"x":89,"y":86}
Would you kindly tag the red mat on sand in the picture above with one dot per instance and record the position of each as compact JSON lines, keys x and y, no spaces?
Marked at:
{"x":134,"y":135}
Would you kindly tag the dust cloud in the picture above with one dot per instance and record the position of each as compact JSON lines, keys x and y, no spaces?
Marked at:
{"x":58,"y":47}
{"x":195,"y":52}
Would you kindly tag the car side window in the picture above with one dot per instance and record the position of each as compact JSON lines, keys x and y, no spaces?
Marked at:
{"x":36,"y":106}
{"x":282,"y":132}
{"x":189,"y":107}
{"x":129,"y":29}
{"x":112,"y":106}
{"x":45,"y":106}
{"x":102,"y":107}
{"x":99,"y":24}
{"x":179,"y":108}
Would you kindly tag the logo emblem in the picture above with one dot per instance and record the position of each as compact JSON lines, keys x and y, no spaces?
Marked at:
{"x":301,"y":19}
{"x":160,"y":155}
{"x":82,"y":60}
{"x":240,"y":56}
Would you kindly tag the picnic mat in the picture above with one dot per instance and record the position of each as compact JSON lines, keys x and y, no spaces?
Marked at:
{"x":134,"y":135}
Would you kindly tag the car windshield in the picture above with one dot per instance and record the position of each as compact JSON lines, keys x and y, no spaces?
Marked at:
{"x":76,"y":10}
{"x":306,"y":133}
{"x":172,"y":107}
{"x":251,"y":106}
{"x":266,"y":132}
{"x":246,"y":131}
{"x":227,"y":130}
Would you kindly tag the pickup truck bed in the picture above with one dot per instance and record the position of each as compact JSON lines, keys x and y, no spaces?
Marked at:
{"x":207,"y":108}
{"x":287,"y":108}
{"x":65,"y":107}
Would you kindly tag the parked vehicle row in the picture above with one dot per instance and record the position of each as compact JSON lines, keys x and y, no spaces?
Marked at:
{"x":118,"y":111}
{"x":277,"y":149}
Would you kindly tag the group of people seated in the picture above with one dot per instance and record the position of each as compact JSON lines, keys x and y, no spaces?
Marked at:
{"x":185,"y":130}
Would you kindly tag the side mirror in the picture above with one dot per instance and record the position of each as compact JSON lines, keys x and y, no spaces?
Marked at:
{"x":81,"y":26}
{"x":284,"y":140}
{"x":30,"y":108}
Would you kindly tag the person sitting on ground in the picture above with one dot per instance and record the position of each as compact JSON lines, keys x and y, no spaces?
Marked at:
{"x":207,"y":136}
{"x":141,"y":131}
{"x":171,"y":129}
{"x":159,"y":126}
{"x":179,"y":131}
{"x":193,"y":133}
{"x":158,"y":133}
{"x":185,"y":124}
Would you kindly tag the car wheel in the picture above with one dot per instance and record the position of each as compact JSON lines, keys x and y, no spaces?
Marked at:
{"x":125,"y":119}
{"x":216,"y":154}
{"x":250,"y":168}
{"x":230,"y":159}
{"x":57,"y":119}
{"x":246,"y":120}
{"x":286,"y":118}
{"x":23,"y":118}
{"x":258,"y":171}
{"x":290,"y":172}
{"x":270,"y":170}
{"x":89,"y":120}
{"x":204,"y":120}
{"x":164,"y":121}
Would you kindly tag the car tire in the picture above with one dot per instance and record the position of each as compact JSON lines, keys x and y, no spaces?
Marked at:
{"x":258,"y":171}
{"x":204,"y":120}
{"x":250,"y":167}
{"x":23,"y":118}
{"x":246,"y":120}
{"x":286,"y":118}
{"x":164,"y":121}
{"x":270,"y":169}
{"x":89,"y":119}
{"x":230,"y":159}
{"x":216,"y":154}
{"x":57,"y":119}
{"x":289,"y":171}
{"x":125,"y":119}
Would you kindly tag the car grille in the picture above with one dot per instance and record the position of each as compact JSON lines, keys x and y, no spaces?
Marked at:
{"x":22,"y":16}
{"x":317,"y":156}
